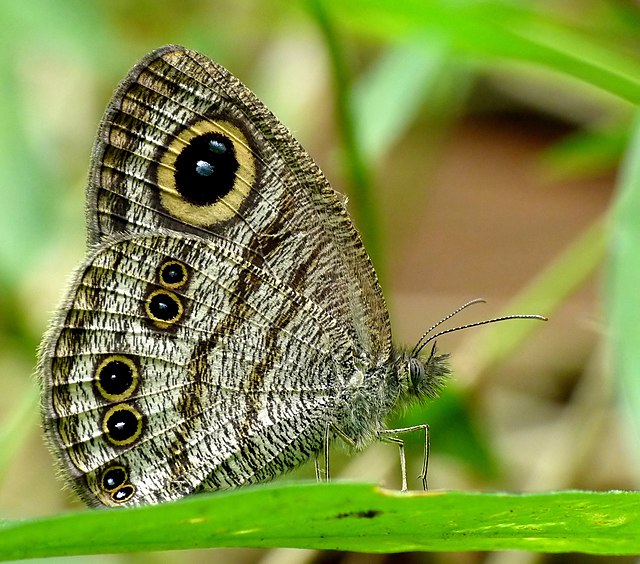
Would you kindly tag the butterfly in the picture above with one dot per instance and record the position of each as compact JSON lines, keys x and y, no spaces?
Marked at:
{"x":226,"y":323}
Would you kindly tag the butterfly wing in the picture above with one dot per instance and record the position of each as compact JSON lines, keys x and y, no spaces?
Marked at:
{"x":226,"y":307}
{"x":185,"y":146}
{"x":177,"y":366}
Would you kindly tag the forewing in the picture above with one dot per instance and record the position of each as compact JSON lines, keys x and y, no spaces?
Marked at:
{"x":277,"y":205}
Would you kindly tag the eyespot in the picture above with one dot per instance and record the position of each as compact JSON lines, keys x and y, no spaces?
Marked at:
{"x":123,"y":494}
{"x":206,"y":173}
{"x":116,"y":377}
{"x":164,"y":308}
{"x":206,"y":169}
{"x":122,"y":424}
{"x":173,"y":274}
{"x":113,"y":477}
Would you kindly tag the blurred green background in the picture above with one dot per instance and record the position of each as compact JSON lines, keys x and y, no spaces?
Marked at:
{"x":479,"y":145}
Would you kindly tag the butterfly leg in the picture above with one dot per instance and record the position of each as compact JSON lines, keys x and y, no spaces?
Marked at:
{"x":400,"y":443}
{"x":403,"y":462}
{"x":330,"y":428}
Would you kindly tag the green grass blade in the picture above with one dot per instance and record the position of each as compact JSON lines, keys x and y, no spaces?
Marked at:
{"x":586,"y":153}
{"x":17,"y":429}
{"x":493,"y":30}
{"x":624,"y":274}
{"x":389,"y":97}
{"x":342,"y":516}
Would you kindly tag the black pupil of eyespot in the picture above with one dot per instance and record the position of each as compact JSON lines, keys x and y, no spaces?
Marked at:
{"x":122,"y":425}
{"x":116,"y":377}
{"x":172,"y":274}
{"x":123,"y":493}
{"x":164,"y":307}
{"x":206,"y":169}
{"x":113,"y":478}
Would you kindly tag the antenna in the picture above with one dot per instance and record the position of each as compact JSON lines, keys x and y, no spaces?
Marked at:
{"x":426,"y":339}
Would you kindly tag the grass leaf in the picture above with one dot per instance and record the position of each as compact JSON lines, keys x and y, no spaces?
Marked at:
{"x":343,"y":516}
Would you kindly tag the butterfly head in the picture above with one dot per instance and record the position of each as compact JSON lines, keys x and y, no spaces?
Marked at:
{"x":426,"y":374}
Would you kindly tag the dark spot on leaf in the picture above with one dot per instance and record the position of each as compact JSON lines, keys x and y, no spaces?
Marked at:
{"x":370,"y":514}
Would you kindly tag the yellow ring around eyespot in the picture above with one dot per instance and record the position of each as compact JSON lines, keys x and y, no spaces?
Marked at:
{"x":129,"y":440}
{"x":116,"y":467}
{"x":163,"y":323}
{"x":134,"y":377}
{"x":183,"y":268}
{"x":228,"y":206}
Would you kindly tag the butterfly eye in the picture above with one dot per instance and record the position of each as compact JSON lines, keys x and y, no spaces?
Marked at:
{"x":416,"y":370}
